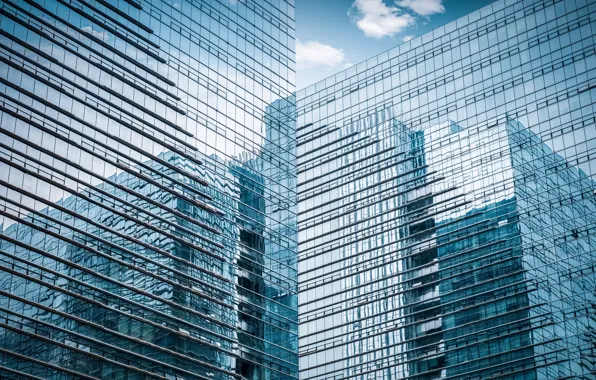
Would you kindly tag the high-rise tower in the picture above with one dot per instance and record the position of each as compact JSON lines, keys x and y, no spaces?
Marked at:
{"x":147,"y":189}
{"x":447,"y":203}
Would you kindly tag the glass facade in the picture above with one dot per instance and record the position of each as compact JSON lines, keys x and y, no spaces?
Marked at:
{"x":148,"y":224}
{"x":447,"y":203}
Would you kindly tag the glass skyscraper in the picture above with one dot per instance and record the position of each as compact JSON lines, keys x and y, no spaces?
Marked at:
{"x":447,"y":203}
{"x":148,"y":222}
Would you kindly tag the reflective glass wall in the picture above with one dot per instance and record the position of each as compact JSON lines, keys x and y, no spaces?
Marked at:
{"x":148,"y":221}
{"x":447,"y":203}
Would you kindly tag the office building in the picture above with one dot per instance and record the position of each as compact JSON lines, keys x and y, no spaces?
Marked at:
{"x":147,"y":190}
{"x":447,"y":203}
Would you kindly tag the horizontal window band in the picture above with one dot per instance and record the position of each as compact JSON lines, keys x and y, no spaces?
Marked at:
{"x":351,"y":177}
{"x":114,"y":259}
{"x":118,"y":23}
{"x":536,"y":325}
{"x":380,"y":330}
{"x":457,"y":238}
{"x":95,"y":108}
{"x":320,"y":156}
{"x":431,"y":373}
{"x":91,"y":81}
{"x":308,"y":250}
{"x":96,"y":342}
{"x":99,"y":86}
{"x":403,"y":316}
{"x":352,"y":163}
{"x":84,"y":298}
{"x":117,"y":199}
{"x":303,"y":127}
{"x":450,"y":268}
{"x":106,"y":159}
{"x":356,"y":207}
{"x":330,"y":143}
{"x":524,"y":111}
{"x":377,"y":326}
{"x":91,"y":37}
{"x":21,"y":375}
{"x":98,"y":66}
{"x":94,"y":355}
{"x":410,"y":256}
{"x":111,"y":183}
{"x":50,"y":37}
{"x":114,"y":211}
{"x":80,"y":297}
{"x":55,"y":273}
{"x":306,"y":271}
{"x":301,"y":259}
{"x":46,"y":364}
{"x":300,"y":143}
{"x":402,"y":284}
{"x":131,"y":266}
{"x":429,"y":240}
{"x":508,"y":363}
{"x":119,"y":334}
{"x":109,"y":115}
{"x":130,"y":252}
{"x":134,"y":4}
{"x":380,"y":135}
{"x":111,"y":30}
{"x":434,"y":371}
{"x":388,"y":296}
{"x":113,"y":309}
{"x":122,"y":335}
{"x":422,"y":177}
{"x":376,"y":202}
{"x":377,"y":215}
{"x":116,"y":33}
{"x":474,"y":305}
{"x":453,"y":304}
{"x":122,"y":166}
{"x":111,"y":72}
{"x":546,"y":363}
{"x":309,"y":133}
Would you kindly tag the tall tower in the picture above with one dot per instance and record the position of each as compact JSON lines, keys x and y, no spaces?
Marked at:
{"x":446,"y":201}
{"x":147,"y":212}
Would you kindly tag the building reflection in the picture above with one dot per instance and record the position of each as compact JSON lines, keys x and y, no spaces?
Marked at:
{"x":491,"y":284}
{"x":125,"y":277}
{"x":473,"y":259}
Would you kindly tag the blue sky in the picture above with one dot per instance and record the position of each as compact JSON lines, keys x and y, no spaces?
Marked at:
{"x":334,"y":34}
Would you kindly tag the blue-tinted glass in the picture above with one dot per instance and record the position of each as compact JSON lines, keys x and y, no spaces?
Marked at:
{"x":148,"y":222}
{"x":447,"y":209}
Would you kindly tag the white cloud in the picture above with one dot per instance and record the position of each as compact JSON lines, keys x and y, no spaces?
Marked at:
{"x":313,"y":53}
{"x":378,"y":20}
{"x":407,"y":38}
{"x":423,"y":7}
